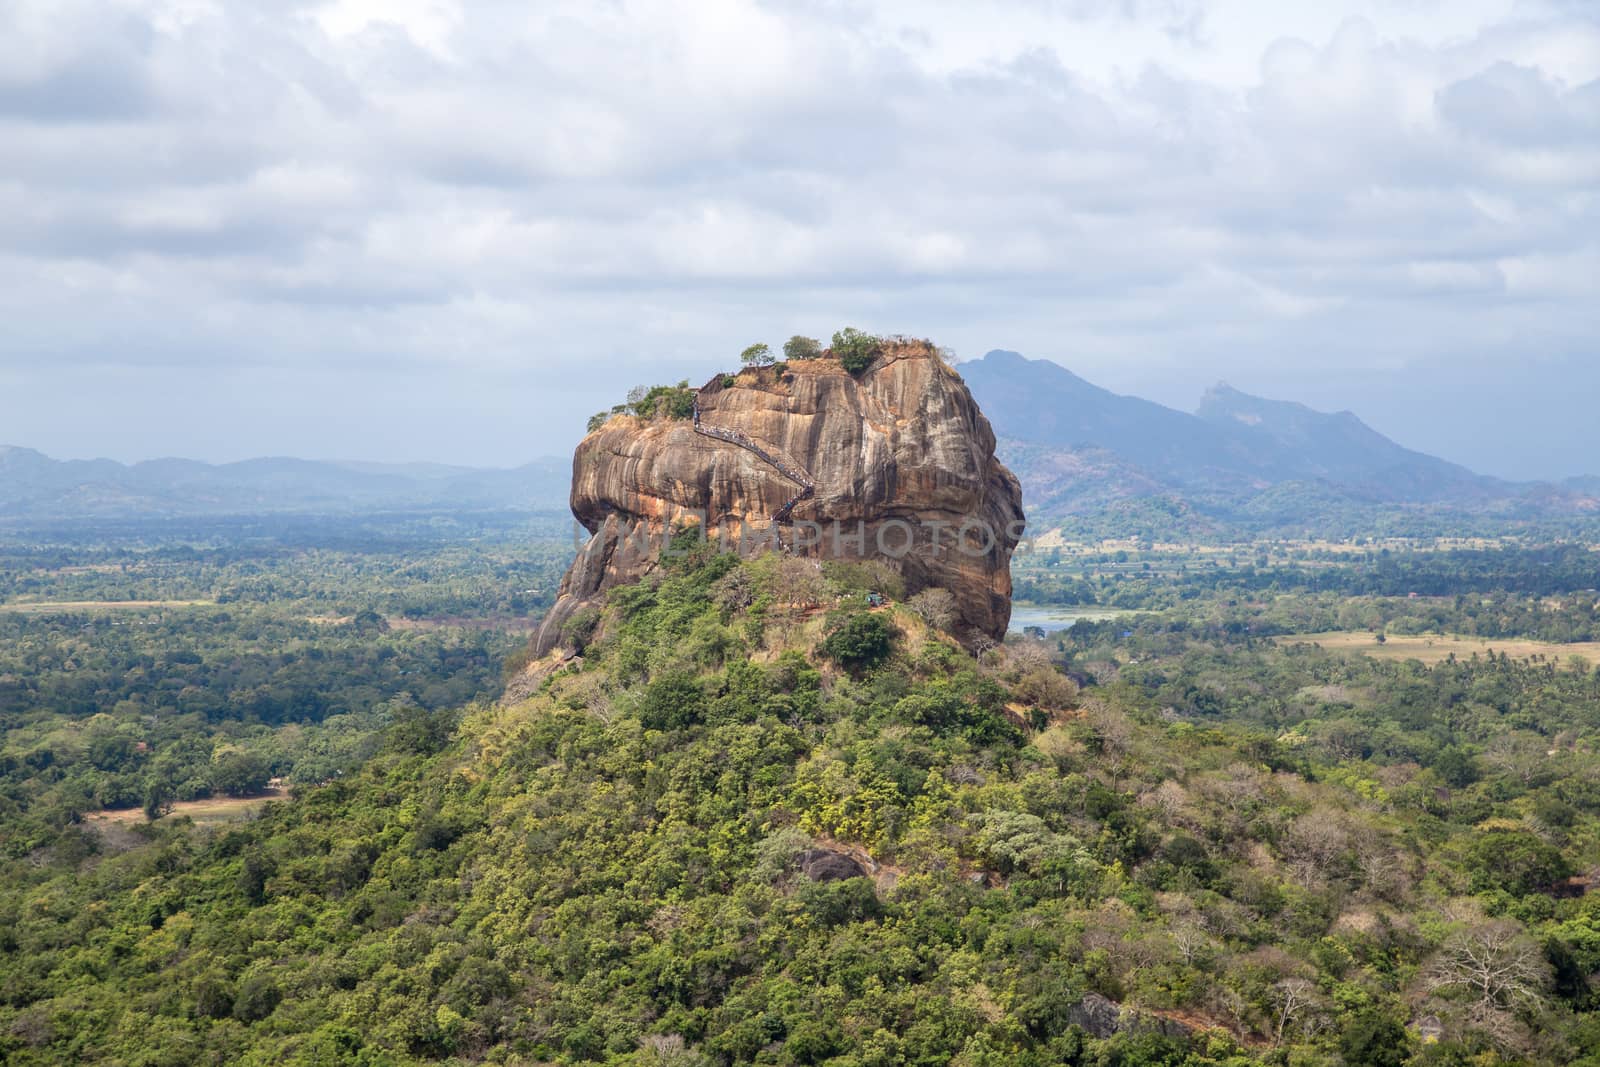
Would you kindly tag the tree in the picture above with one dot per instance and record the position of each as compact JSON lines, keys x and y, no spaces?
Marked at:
{"x":1457,"y":766}
{"x":1516,"y":861}
{"x":239,"y":774}
{"x":671,"y":703}
{"x":798,"y":347}
{"x":157,"y":798}
{"x":1295,"y":1003}
{"x":418,"y":731}
{"x":937,"y":607}
{"x":758,"y":355}
{"x":1497,"y":966}
{"x":254,"y":870}
{"x":855,"y":350}
{"x":1373,"y":1039}
{"x":863,"y":642}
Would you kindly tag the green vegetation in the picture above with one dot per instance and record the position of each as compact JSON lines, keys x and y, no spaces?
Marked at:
{"x":291,"y":662}
{"x":798,"y":347}
{"x":760,"y":823}
{"x":1095,"y":507}
{"x":855,"y":350}
{"x":652,"y":402}
{"x":861,"y":642}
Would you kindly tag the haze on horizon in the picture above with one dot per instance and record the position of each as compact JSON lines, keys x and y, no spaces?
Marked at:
{"x":449,"y":230}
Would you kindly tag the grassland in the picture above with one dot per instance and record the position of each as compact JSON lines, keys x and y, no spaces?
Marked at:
{"x":39,"y":607}
{"x":1435,"y":648}
{"x":205,"y":812}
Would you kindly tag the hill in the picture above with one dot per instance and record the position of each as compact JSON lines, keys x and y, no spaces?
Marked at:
{"x":1240,"y":465}
{"x":33,"y":486}
{"x":1340,"y":449}
{"x":741,"y":830}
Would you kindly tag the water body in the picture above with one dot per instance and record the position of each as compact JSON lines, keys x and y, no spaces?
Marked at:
{"x":1053,"y":617}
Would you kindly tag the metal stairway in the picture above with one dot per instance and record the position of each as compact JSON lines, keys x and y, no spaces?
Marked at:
{"x":795,"y":474}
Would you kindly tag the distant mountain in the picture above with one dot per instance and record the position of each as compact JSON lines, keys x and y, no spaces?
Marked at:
{"x":1342,"y":449}
{"x":34,"y":486}
{"x":1103,"y":464}
{"x":1240,"y":461}
{"x":1043,"y":403}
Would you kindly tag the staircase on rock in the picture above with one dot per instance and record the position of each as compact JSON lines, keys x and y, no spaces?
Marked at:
{"x":790,"y":471}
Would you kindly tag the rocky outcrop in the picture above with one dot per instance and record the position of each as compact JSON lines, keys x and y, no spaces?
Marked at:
{"x":895,"y":464}
{"x":1102,"y":1018}
{"x":826,"y":865}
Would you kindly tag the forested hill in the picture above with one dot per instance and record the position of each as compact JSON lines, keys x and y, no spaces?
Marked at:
{"x":760,"y":821}
{"x":34,"y":486}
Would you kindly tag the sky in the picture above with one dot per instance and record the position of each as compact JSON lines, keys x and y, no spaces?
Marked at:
{"x":450,"y":230}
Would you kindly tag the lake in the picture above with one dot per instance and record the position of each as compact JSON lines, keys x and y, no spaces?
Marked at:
{"x":1059,"y":616}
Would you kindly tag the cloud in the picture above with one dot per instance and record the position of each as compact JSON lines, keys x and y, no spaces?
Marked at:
{"x":1148,"y":190}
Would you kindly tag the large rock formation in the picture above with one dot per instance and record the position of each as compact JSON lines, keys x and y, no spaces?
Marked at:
{"x":901,"y":460}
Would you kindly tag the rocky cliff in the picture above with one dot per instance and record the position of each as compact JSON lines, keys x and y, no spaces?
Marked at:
{"x":896,"y":463}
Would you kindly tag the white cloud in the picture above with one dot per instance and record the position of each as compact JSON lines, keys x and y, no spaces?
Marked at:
{"x":461,"y":191}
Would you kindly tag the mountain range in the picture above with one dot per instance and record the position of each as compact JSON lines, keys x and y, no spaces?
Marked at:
{"x":1090,"y":460}
{"x":1238,"y":463}
{"x":32,"y":485}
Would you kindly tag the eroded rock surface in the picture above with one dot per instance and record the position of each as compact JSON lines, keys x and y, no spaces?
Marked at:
{"x":900,"y":456}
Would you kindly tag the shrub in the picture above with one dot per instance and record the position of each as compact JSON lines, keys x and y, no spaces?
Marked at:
{"x":855,"y":350}
{"x":578,"y":630}
{"x":668,"y":401}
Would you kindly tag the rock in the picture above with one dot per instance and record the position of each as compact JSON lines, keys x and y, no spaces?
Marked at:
{"x":900,"y":455}
{"x":1097,"y":1015}
{"x":1102,"y":1017}
{"x":825,"y":865}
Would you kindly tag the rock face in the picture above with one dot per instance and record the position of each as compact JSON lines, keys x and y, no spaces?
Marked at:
{"x":900,"y":462}
{"x":825,"y":865}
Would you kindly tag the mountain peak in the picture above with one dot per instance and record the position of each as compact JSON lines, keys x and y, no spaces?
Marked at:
{"x":1003,"y":356}
{"x":1234,"y":442}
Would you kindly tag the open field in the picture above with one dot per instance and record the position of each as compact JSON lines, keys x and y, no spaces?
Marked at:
{"x":507,"y":624}
{"x":205,"y":812}
{"x":44,"y":606}
{"x":1433,"y":648}
{"x":514,"y":624}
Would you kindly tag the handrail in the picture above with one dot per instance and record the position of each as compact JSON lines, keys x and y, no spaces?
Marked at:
{"x":808,"y":488}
